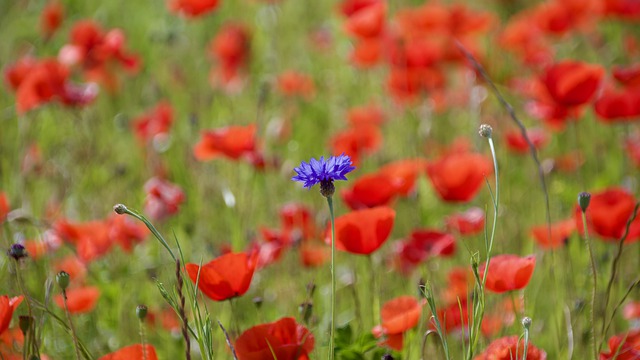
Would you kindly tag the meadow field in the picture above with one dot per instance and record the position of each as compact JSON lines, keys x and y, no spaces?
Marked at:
{"x":311,"y":179}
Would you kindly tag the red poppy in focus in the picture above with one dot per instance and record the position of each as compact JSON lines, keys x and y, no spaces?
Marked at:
{"x":631,"y":310}
{"x":163,"y":198}
{"x":51,"y":18}
{"x":293,"y":84}
{"x":404,"y":174}
{"x":572,"y":83}
{"x":508,"y":272}
{"x":7,"y":307}
{"x":608,"y":213}
{"x":283,"y":340}
{"x":230,"y":141}
{"x":470,"y":222}
{"x":623,"y":347}
{"x":510,"y":347}
{"x":4,"y":206}
{"x":126,"y":232}
{"x":518,"y":144}
{"x":79,"y":300}
{"x":457,"y":177}
{"x":156,"y":121}
{"x":133,"y":352}
{"x":192,"y":8}
{"x":363,"y":231}
{"x":369,"y":191}
{"x":225,"y":277}
{"x":357,"y":141}
{"x":560,"y":233}
{"x":398,"y":316}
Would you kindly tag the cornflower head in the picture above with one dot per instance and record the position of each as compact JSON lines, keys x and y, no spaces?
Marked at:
{"x":324,"y":172}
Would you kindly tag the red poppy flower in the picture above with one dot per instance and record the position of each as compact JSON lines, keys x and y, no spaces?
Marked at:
{"x":560,"y":233}
{"x":365,"y":115}
{"x":156,"y":121}
{"x":572,"y":83}
{"x":293,"y":84}
{"x":90,"y":238}
{"x":366,"y":53}
{"x":73,"y":266}
{"x":629,"y":76}
{"x":35,"y":248}
{"x":369,"y":191}
{"x":470,"y":222}
{"x":363,"y":231}
{"x":133,"y":352}
{"x":314,"y":253}
{"x":398,"y":316}
{"x":51,"y":18}
{"x":618,"y":106}
{"x":623,"y":347}
{"x":526,"y":41}
{"x":350,"y":7}
{"x":367,"y":22}
{"x":459,"y":283}
{"x":297,"y":217}
{"x":631,"y":310}
{"x":231,"y":45}
{"x":283,"y":340}
{"x":225,"y":277}
{"x":125,"y":231}
{"x":163,"y":198}
{"x":7,"y":307}
{"x":43,"y":84}
{"x":192,"y":8}
{"x":404,"y":174}
{"x":626,"y":9}
{"x":421,"y":245}
{"x":15,"y":73}
{"x":79,"y":300}
{"x":510,"y":347}
{"x":4,"y":206}
{"x":357,"y":141}
{"x":517,"y":143}
{"x":508,"y":272}
{"x":457,"y":177}
{"x":608,"y":213}
{"x":231,"y":141}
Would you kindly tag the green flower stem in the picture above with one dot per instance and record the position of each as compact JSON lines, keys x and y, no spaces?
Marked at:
{"x":333,"y":279}
{"x":121,"y":209}
{"x":375,"y":296}
{"x":594,"y":285}
{"x":73,"y":330}
{"x":142,"y":339}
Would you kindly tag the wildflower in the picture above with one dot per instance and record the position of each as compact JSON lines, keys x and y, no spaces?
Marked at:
{"x":624,"y":346}
{"x":7,"y":307}
{"x":133,"y":352}
{"x":508,"y":348}
{"x":51,"y":18}
{"x":458,"y":176}
{"x":508,"y":272}
{"x":560,"y":233}
{"x":225,"y":277}
{"x":369,"y":191}
{"x":79,"y":300}
{"x":324,"y":172}
{"x":398,"y":315}
{"x":283,"y":340}
{"x":572,"y":83}
{"x":470,"y":222}
{"x":608,"y":213}
{"x":232,"y":142}
{"x":192,"y":8}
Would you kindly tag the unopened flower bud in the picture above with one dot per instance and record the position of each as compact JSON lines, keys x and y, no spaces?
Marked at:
{"x":306,"y":310}
{"x":311,"y":288}
{"x":584,"y":198}
{"x":63,"y":279}
{"x":485,"y":130}
{"x":257,"y":301}
{"x":120,"y":209}
{"x":25,"y":323}
{"x":526,"y":322}
{"x":17,"y":252}
{"x":141,"y":311}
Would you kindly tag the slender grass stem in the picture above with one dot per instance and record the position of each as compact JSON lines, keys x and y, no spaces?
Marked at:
{"x":142,"y":339}
{"x":73,"y":330}
{"x":594,"y":286}
{"x":333,"y":279}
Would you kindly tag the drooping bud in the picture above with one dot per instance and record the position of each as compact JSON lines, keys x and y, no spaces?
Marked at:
{"x":120,"y":209}
{"x":526,"y":322}
{"x":485,"y":130}
{"x":584,"y":198}
{"x":63,"y":279}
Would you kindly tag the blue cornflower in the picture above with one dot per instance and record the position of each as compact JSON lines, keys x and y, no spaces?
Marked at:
{"x":324,"y":172}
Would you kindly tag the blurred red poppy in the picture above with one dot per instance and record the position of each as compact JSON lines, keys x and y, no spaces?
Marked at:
{"x":7,"y":307}
{"x":404,"y":173}
{"x":508,"y":272}
{"x":231,"y":141}
{"x":518,"y":144}
{"x":367,"y":22}
{"x":366,"y":115}
{"x":51,"y":18}
{"x":314,"y":253}
{"x":90,"y":238}
{"x":608,"y":213}
{"x":632,"y":146}
{"x":626,"y":9}
{"x":283,"y":340}
{"x":163,"y":198}
{"x":231,"y":49}
{"x":156,"y":121}
{"x":363,"y":231}
{"x":357,"y":141}
{"x":629,"y":76}
{"x":133,"y":352}
{"x":126,"y":232}
{"x":350,"y":7}
{"x":508,"y":348}
{"x":297,"y":218}
{"x":457,"y":177}
{"x":79,"y":300}
{"x":192,"y":8}
{"x":420,"y":245}
{"x":631,"y":310}
{"x":4,"y":206}
{"x":572,"y":83}
{"x":560,"y":232}
{"x":225,"y":277}
{"x":469,"y":222}
{"x":295,"y":84}
{"x":618,"y":105}
{"x":368,"y":191}
{"x":398,"y":316}
{"x":73,"y":266}
{"x":624,"y":346}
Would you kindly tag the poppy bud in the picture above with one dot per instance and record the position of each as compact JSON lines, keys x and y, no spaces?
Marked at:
{"x":526,"y":322}
{"x":63,"y":280}
{"x":327,"y":188}
{"x":120,"y":209}
{"x":25,"y":323}
{"x":17,"y":252}
{"x":306,"y":310}
{"x":311,"y":288}
{"x":257,"y":301}
{"x":584,"y":198}
{"x":141,"y":312}
{"x":485,"y":130}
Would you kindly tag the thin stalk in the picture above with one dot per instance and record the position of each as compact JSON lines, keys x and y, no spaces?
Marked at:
{"x":594,"y":284}
{"x":121,"y":209}
{"x":73,"y":330}
{"x":333,"y":279}
{"x":142,"y":339}
{"x":375,"y":296}
{"x":32,"y":330}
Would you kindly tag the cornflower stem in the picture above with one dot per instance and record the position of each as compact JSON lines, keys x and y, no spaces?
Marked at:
{"x":333,"y":279}
{"x":594,"y":286}
{"x":73,"y":330}
{"x":375,"y":296}
{"x":23,"y":291}
{"x":142,"y":339}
